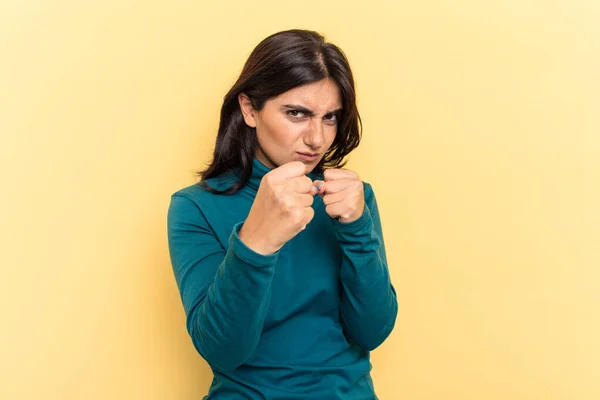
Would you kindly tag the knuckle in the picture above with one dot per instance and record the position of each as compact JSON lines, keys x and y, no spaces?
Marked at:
{"x":278,"y":192}
{"x":296,"y":214}
{"x":306,"y":182}
{"x":308,"y":199}
{"x":269,"y":178}
{"x":287,"y":204}
{"x":310,"y":215}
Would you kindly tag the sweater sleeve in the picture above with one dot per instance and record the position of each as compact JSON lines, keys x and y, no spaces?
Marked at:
{"x":369,"y":306}
{"x":225,"y":292}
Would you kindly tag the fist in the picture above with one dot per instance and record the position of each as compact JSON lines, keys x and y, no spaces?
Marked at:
{"x":281,"y":209}
{"x":343,"y":194}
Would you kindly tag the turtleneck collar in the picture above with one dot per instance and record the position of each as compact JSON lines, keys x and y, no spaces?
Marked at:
{"x":259,"y":170}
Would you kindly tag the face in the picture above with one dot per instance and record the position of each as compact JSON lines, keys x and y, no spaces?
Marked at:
{"x":297,"y":125}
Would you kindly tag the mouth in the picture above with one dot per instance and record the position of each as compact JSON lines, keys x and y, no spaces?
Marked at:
{"x":308,"y":156}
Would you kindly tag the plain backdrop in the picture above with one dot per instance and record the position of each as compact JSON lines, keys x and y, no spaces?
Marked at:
{"x":481,"y":140}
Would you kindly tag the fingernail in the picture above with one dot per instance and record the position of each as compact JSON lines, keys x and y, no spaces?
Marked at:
{"x":319,"y":186}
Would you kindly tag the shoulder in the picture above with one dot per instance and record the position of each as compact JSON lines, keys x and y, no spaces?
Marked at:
{"x":185,"y":205}
{"x":191,"y":192}
{"x":198,"y":191}
{"x":196,"y":198}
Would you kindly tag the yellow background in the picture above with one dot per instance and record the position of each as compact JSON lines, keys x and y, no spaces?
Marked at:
{"x":481,"y":139}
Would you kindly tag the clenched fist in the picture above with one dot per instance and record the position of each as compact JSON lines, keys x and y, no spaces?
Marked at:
{"x":343,"y":194}
{"x":281,"y":209}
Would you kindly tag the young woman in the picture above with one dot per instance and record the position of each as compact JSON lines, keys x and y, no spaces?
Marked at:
{"x":278,"y":252}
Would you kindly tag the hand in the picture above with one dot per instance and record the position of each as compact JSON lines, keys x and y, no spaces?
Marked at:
{"x":343,"y":194}
{"x":281,"y":209}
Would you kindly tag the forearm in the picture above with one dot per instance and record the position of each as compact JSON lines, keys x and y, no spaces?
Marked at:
{"x":369,"y":306}
{"x":225,"y":292}
{"x":226,"y":325}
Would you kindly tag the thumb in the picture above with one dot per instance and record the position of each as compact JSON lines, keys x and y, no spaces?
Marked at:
{"x":287,"y":171}
{"x":320,"y":186}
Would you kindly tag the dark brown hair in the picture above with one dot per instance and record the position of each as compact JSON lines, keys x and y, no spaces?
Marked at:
{"x":279,"y":63}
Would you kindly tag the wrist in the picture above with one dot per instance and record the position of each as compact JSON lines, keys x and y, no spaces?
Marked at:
{"x":352,"y":218}
{"x":255,"y":243}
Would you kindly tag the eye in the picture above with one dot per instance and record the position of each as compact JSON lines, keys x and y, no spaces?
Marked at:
{"x":331,"y":118}
{"x":295,"y":114}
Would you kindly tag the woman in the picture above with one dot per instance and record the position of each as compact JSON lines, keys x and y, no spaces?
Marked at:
{"x":278,"y":252}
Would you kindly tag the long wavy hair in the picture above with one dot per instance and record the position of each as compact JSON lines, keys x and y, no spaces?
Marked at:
{"x":281,"y":62}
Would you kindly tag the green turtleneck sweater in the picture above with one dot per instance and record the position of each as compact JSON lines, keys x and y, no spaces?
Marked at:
{"x":297,"y":324}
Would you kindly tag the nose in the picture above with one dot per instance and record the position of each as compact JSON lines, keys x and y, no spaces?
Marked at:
{"x":314,"y":137}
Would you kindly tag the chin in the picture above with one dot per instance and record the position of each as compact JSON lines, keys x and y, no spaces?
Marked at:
{"x":310,"y":166}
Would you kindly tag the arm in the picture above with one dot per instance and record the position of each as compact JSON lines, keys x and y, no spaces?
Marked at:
{"x":225,"y":294}
{"x":369,"y":306}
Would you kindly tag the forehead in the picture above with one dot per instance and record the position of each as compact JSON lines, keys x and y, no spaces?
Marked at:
{"x":320,"y":96}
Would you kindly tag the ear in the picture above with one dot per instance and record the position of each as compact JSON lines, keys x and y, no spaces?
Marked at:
{"x":248,"y":111}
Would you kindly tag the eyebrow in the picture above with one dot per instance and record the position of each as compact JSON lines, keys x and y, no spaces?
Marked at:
{"x":308,"y":111}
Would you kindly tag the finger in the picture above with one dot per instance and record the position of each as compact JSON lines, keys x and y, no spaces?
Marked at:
{"x":302,"y":184}
{"x":309,"y":213}
{"x":334,"y":174}
{"x":305,"y":200}
{"x":341,"y":185}
{"x":319,"y":186}
{"x":337,"y":210}
{"x":333,"y":198}
{"x":287,"y":171}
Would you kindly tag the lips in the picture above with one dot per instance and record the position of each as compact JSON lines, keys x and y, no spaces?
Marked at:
{"x":308,"y":156}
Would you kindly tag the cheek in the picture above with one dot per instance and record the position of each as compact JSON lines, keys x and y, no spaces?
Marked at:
{"x":331,"y":132}
{"x":290,"y":131}
{"x":279,"y":131}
